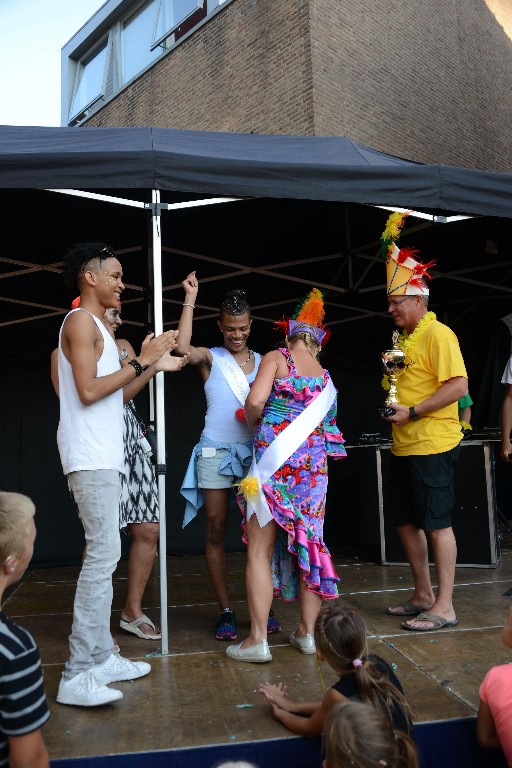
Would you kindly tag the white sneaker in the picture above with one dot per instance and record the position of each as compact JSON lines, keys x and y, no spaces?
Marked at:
{"x":84,"y":690}
{"x":117,"y":668}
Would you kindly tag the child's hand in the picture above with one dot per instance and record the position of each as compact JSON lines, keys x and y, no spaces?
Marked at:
{"x":276,"y":695}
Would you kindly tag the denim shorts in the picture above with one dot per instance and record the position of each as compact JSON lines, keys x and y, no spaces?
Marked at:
{"x":421,"y":489}
{"x":208,"y":475}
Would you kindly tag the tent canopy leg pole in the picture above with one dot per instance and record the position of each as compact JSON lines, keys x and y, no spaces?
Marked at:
{"x":160,"y":416}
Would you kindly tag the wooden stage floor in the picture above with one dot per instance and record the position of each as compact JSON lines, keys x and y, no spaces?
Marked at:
{"x":197,"y":696}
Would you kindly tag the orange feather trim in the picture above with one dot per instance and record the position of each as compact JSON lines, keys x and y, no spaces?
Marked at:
{"x":312,"y":311}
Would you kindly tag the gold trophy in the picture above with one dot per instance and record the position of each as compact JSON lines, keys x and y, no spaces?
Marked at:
{"x":393,"y":362}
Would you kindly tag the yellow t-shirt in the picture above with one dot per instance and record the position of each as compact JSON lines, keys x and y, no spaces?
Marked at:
{"x":435,"y":358}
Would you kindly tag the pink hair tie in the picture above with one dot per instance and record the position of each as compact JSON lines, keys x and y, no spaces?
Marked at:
{"x":75,"y":303}
{"x":357,"y":663}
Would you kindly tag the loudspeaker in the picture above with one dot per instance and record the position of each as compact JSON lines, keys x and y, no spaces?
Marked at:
{"x":474,"y":514}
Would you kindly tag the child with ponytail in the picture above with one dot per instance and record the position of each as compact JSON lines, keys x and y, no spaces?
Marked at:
{"x":340,"y":638}
{"x":360,"y":736}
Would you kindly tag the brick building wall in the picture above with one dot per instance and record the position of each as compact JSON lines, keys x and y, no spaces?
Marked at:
{"x":248,"y":69}
{"x":428,"y":81}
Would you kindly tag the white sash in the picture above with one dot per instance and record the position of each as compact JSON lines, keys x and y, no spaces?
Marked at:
{"x":285,"y":444}
{"x":235,"y":377}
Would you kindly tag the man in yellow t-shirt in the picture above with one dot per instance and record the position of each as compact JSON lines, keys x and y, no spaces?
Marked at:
{"x":426,"y":437}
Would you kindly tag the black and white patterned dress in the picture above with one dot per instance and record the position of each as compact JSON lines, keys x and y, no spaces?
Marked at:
{"x":139,"y":498}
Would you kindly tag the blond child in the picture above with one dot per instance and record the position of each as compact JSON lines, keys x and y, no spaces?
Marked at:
{"x":23,"y":707}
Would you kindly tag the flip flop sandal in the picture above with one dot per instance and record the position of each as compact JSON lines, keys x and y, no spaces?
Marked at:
{"x":409,"y":609}
{"x":439,"y":622}
{"x":134,"y":627}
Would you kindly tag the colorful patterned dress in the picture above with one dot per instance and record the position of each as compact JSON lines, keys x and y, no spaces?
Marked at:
{"x":296,"y":492}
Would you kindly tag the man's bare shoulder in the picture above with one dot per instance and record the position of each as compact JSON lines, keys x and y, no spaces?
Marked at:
{"x":80,"y":323}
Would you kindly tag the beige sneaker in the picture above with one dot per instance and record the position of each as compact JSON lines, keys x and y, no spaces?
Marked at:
{"x":256,"y":653}
{"x":305,"y":644}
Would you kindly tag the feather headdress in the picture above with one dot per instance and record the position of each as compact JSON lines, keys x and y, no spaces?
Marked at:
{"x":405,"y":274}
{"x":308,"y":316}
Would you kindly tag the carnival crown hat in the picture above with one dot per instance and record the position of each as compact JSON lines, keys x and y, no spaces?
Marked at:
{"x":405,"y":274}
{"x":308,"y":317}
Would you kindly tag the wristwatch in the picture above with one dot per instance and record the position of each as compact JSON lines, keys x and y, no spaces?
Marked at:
{"x":412,"y":414}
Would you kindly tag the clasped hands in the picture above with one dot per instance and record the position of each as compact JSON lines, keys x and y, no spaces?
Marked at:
{"x":157,"y":350}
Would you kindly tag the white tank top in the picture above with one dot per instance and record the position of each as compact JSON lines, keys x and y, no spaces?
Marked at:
{"x":90,"y":436}
{"x":220,"y":424}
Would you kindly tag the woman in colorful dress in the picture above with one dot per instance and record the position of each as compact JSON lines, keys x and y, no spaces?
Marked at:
{"x":292,"y":407}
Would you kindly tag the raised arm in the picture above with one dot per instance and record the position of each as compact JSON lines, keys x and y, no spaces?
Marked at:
{"x":197,"y":355}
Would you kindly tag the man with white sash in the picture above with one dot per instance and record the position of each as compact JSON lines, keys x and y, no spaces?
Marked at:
{"x":292,"y":408}
{"x":223,"y":453}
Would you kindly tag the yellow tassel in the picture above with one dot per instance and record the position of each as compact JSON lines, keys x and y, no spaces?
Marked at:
{"x":249,"y":487}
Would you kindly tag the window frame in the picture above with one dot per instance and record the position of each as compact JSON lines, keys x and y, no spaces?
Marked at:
{"x":199,"y":5}
{"x":104,"y":44}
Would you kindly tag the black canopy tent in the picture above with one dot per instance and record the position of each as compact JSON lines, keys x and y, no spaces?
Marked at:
{"x":304,"y":219}
{"x":245,"y":165}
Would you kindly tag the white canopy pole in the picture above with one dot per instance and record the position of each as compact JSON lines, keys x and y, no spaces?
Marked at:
{"x":160,"y":416}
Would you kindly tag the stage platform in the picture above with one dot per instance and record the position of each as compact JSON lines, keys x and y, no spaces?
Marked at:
{"x":197,"y":706}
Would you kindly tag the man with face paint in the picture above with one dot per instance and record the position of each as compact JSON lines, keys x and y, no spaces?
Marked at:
{"x":92,"y":384}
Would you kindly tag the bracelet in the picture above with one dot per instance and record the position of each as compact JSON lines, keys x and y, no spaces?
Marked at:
{"x":412,"y":414}
{"x":190,"y":305}
{"x":137,"y":366}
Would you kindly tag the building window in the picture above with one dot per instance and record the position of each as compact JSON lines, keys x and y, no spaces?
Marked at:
{"x":121,"y":41}
{"x":90,"y":82}
{"x":171,"y":14}
{"x":137,"y":37}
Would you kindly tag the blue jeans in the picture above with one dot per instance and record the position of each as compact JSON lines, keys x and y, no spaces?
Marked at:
{"x":96,"y":493}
